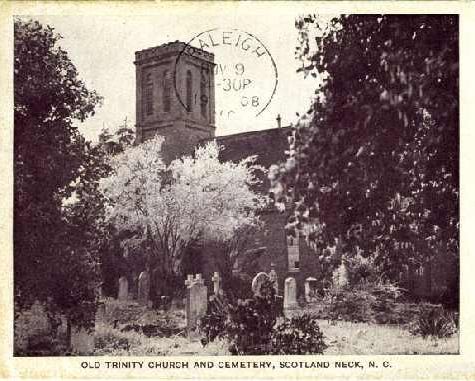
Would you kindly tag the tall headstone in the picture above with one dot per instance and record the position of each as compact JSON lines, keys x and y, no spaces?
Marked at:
{"x":144,"y":288}
{"x":123,"y":288}
{"x":101,"y":311}
{"x":274,"y":279}
{"x":216,"y":283}
{"x":100,"y":291}
{"x":290,"y":293}
{"x":257,"y":283}
{"x":196,"y":302}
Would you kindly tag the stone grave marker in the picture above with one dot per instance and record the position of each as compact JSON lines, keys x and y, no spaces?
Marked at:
{"x":82,"y":341}
{"x":144,"y":288}
{"x":101,"y":311}
{"x":100,"y":290}
{"x":189,"y":280}
{"x":216,"y":283}
{"x":274,"y":279}
{"x":196,"y":302}
{"x":290,"y":294}
{"x":257,"y":282}
{"x":123,"y":288}
{"x":310,"y":289}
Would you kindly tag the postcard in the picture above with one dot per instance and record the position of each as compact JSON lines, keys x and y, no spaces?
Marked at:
{"x":218,"y":190}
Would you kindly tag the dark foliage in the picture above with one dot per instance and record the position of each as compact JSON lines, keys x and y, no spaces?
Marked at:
{"x":375,"y":161}
{"x":153,"y":330}
{"x":246,"y":324}
{"x":55,"y":246}
{"x":299,"y":335}
{"x":369,"y":302}
{"x":213,"y":324}
{"x":239,"y":287}
{"x":433,"y":321}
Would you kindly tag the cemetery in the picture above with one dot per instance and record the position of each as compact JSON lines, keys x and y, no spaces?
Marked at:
{"x":128,"y":325}
{"x":182,"y":334}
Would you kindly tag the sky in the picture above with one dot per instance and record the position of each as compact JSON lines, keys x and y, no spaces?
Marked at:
{"x":103,"y":47}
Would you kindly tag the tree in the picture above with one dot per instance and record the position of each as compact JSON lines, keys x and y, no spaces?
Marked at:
{"x":173,"y":207}
{"x":118,"y":142}
{"x":374,"y":163}
{"x":51,"y":161}
{"x":113,"y":262}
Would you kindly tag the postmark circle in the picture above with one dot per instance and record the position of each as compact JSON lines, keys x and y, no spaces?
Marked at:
{"x":244,"y":76}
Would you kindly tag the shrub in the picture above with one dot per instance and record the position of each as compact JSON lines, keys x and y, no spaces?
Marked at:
{"x":110,"y":341}
{"x":433,"y":321}
{"x":383,"y":304}
{"x":360,"y":269}
{"x":160,"y":329}
{"x":239,"y":287}
{"x":213,"y":324}
{"x":246,"y":325}
{"x":368,"y":302}
{"x":299,"y":335}
{"x":379,"y":302}
{"x":347,"y":304}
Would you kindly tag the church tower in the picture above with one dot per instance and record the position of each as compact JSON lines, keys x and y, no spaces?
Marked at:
{"x":175,"y":96}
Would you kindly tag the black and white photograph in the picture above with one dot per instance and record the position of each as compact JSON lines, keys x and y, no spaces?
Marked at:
{"x":201,"y":184}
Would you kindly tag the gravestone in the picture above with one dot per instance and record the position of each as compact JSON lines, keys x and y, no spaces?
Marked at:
{"x":216,"y":283}
{"x":123,"y":288}
{"x":274,"y":279}
{"x":100,"y":291}
{"x":144,"y":288}
{"x":134,"y":286}
{"x":101,"y":311}
{"x":189,"y":280}
{"x":310,"y":289}
{"x":257,"y":283}
{"x":236,"y":269}
{"x":82,"y":341}
{"x":196,"y":302}
{"x":290,"y":294}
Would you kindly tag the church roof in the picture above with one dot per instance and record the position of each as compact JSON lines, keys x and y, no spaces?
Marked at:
{"x":268,"y":145}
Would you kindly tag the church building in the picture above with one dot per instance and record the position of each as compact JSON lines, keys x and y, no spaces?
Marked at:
{"x":175,"y":99}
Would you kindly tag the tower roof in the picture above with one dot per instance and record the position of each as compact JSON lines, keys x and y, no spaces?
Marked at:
{"x":173,"y":49}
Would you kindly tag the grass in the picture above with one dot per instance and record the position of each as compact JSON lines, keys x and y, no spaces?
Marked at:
{"x":342,"y":337}
{"x":345,"y":338}
{"x":112,"y":342}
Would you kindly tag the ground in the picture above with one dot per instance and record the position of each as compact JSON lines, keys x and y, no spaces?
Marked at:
{"x":167,"y":336}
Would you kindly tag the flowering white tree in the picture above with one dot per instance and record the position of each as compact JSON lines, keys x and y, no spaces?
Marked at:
{"x":173,"y":206}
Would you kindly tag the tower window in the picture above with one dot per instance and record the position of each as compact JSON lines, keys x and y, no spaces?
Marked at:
{"x":203,"y":96}
{"x":149,"y":99}
{"x":166,"y":92}
{"x":293,"y":251}
{"x":148,"y":94}
{"x":189,"y":91}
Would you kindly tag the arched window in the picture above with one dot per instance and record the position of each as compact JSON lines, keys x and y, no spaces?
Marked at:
{"x":148,"y":94}
{"x":203,"y":96}
{"x":166,"y":91}
{"x":189,"y":91}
